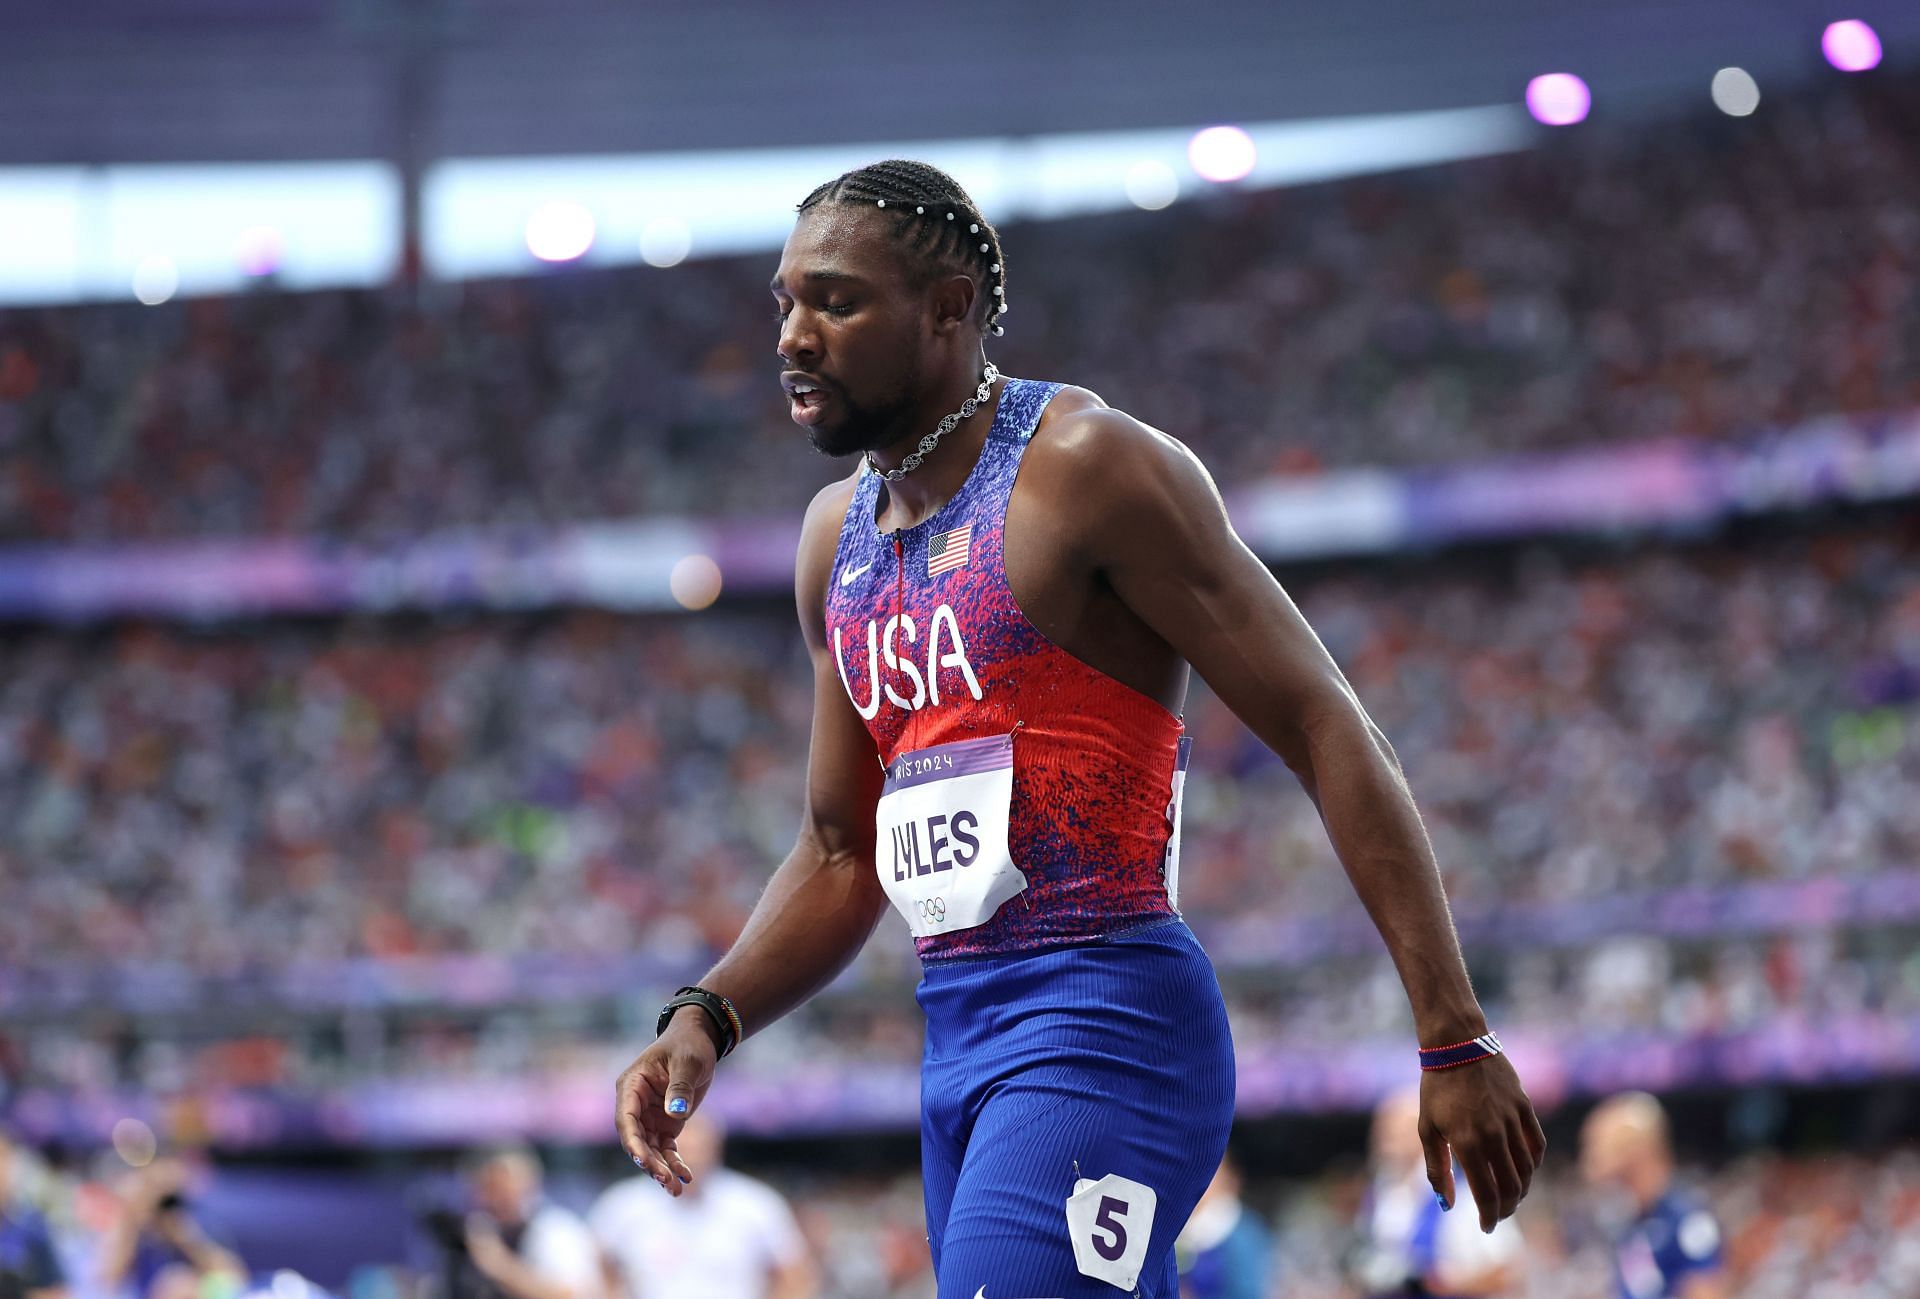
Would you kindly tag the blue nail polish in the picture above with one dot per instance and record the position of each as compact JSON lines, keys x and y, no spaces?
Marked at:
{"x":1440,"y":1200}
{"x":638,"y":1162}
{"x":678,"y":1105}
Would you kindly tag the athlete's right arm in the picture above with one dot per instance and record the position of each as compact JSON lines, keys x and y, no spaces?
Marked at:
{"x":818,"y":908}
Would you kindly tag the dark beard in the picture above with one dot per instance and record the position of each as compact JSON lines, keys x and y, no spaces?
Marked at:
{"x":864,"y":428}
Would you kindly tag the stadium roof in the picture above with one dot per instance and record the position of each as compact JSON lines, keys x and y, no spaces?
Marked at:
{"x":231,"y":80}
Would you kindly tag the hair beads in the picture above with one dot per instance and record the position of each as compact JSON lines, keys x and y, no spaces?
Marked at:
{"x":897,"y":185}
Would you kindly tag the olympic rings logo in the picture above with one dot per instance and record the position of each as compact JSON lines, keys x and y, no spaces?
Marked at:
{"x":932,"y":908}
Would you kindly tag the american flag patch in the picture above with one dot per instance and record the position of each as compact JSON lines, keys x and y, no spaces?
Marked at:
{"x":949,"y":550}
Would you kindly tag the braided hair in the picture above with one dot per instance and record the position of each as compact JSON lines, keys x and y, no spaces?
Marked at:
{"x":934,"y":218}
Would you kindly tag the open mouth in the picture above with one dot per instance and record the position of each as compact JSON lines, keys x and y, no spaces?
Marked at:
{"x":807,"y":407}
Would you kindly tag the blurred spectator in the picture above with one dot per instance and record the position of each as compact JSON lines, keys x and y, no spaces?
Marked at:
{"x":725,"y":1237}
{"x":870,"y":1236}
{"x":1223,"y":1251}
{"x":29,"y":1265}
{"x":520,"y":1245}
{"x":157,"y":1248}
{"x":1412,"y":1247}
{"x":1667,"y":1243}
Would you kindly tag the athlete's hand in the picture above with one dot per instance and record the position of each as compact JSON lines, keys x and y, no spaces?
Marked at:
{"x":677,"y":1067}
{"x":1478,"y":1114}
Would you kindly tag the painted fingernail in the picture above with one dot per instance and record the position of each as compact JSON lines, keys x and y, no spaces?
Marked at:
{"x":1440,"y":1200}
{"x":637,"y":1161}
{"x":678,"y":1105}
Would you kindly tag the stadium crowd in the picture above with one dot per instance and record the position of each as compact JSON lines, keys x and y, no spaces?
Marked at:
{"x":1576,"y":729}
{"x":1708,"y":279}
{"x":589,"y":784}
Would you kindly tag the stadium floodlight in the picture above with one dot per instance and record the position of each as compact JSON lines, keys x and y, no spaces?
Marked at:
{"x":1558,"y":99}
{"x":1151,"y":185}
{"x":695,"y":582}
{"x":1851,"y":46}
{"x":1735,"y":92}
{"x":560,"y":231}
{"x":260,"y":250}
{"x":665,"y":241}
{"x":1222,"y":153}
{"x":155,"y":279}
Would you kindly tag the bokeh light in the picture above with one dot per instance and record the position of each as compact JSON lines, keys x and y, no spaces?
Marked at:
{"x":1558,"y":99}
{"x":1851,"y":46}
{"x":695,"y":582}
{"x":134,"y":1142}
{"x":559,"y":232}
{"x":1735,"y":92}
{"x":1152,"y":185}
{"x":1222,"y":153}
{"x":259,"y":250}
{"x":665,"y":241}
{"x":155,"y":279}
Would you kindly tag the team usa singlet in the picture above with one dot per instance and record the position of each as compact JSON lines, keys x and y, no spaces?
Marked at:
{"x":1077,"y":1084}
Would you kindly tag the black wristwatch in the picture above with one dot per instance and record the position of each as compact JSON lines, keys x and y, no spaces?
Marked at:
{"x":718,"y":1008}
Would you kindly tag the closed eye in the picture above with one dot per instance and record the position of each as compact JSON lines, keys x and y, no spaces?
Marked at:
{"x":832,"y":309}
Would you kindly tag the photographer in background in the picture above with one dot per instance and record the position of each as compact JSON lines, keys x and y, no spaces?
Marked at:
{"x":1666,"y":1241}
{"x":516,"y":1244}
{"x":727,"y":1237}
{"x":29,"y":1268}
{"x":1412,"y":1247}
{"x":158,"y":1248}
{"x":1224,"y":1251}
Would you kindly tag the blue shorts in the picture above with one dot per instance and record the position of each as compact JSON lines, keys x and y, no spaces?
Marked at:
{"x":1108,"y":1061}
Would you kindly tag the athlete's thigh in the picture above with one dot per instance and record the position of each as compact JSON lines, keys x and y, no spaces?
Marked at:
{"x":1008,"y":1234}
{"x":942,"y":1148}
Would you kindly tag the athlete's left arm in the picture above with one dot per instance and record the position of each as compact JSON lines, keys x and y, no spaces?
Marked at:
{"x":1154,"y":528}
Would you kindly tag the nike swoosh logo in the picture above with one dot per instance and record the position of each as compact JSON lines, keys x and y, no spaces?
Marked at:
{"x":846,"y":579}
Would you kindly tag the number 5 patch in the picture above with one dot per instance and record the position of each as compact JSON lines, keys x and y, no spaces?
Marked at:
{"x":1110,"y":1222}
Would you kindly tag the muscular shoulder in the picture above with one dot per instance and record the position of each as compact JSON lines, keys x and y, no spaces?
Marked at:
{"x":819,"y":538}
{"x":1082,"y":432}
{"x":821,"y":524}
{"x":1095,"y":465}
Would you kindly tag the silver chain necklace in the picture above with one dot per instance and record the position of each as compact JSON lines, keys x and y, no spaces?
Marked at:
{"x":932,"y":440}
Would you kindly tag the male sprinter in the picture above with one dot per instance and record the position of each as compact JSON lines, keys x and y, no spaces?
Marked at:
{"x":1001,"y":605}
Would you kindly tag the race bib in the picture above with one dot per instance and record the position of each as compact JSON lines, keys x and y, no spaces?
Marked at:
{"x":942,"y":844}
{"x":1110,"y":1223}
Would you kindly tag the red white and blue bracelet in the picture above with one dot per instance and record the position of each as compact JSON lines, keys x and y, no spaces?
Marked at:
{"x":1446,"y":1057}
